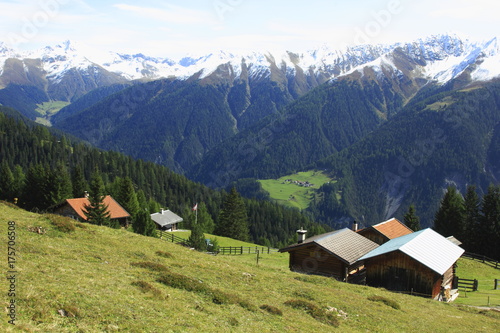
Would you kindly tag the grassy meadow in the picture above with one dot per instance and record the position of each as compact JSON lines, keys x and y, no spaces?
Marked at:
{"x":486,"y":275}
{"x":74,"y":277}
{"x":291,"y":194}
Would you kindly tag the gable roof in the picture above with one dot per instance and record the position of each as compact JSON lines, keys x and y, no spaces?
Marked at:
{"x":392,"y":228}
{"x":426,"y":246}
{"x":344,"y":244}
{"x":166,"y":217}
{"x":115,"y":210}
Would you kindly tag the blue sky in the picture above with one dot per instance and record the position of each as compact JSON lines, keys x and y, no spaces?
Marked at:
{"x":174,"y":28}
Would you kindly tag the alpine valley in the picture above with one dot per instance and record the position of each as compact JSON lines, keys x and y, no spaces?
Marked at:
{"x":393,"y":125}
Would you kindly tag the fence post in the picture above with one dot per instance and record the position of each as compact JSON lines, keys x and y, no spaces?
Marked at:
{"x":496,"y":284}
{"x":475,"y":285}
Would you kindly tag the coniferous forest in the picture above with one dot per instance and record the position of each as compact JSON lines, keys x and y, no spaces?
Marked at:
{"x":40,"y":168}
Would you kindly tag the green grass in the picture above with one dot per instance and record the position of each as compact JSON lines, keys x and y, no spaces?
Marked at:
{"x":47,"y":110}
{"x":223,"y":241}
{"x":97,"y":279}
{"x":292,"y":195}
{"x":486,"y":275}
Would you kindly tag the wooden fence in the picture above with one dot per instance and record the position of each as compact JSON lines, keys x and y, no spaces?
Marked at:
{"x":245,"y":250}
{"x":170,"y":237}
{"x":467,"y":284}
{"x":484,"y":259}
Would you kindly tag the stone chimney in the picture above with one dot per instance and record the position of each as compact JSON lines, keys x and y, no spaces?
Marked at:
{"x":354,"y":226}
{"x":301,"y":235}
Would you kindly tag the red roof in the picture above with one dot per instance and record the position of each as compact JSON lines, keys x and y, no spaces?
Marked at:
{"x":392,"y":228}
{"x":116,"y":211}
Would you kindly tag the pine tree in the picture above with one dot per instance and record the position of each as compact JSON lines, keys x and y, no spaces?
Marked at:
{"x":127,"y":197}
{"x":6,"y":182}
{"x":197,"y":237}
{"x":58,"y":186}
{"x":96,"y":211}
{"x":19,"y":182}
{"x":233,"y":218}
{"x":490,"y":223}
{"x":143,"y":224}
{"x":449,"y":219}
{"x":79,"y":183}
{"x":471,"y":238}
{"x":34,"y":197}
{"x":411,"y":219}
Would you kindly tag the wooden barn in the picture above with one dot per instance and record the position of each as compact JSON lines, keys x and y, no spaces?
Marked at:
{"x":385,"y":231}
{"x":75,"y":209}
{"x":421,"y":263}
{"x":332,"y":254}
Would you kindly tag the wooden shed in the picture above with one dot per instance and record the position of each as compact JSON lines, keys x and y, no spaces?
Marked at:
{"x":332,"y":254}
{"x":421,"y":263}
{"x":166,"y":220}
{"x":384,"y":231}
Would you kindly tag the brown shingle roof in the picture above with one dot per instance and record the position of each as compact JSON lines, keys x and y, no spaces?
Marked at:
{"x":345,"y":244}
{"x":116,"y":211}
{"x":392,"y":228}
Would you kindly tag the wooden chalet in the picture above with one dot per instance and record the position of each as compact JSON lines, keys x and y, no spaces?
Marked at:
{"x":421,"y":263}
{"x":75,"y":209}
{"x":332,"y":254}
{"x":383,"y":232}
{"x":166,"y":220}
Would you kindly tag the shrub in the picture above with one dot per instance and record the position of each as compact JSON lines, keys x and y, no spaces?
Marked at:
{"x":152,"y":266}
{"x":314,"y":311}
{"x":164,"y":254}
{"x":386,"y":301}
{"x":271,"y":309}
{"x":62,"y":223}
{"x":180,"y":281}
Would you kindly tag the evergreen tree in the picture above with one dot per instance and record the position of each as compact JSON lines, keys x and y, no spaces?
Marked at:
{"x":471,"y":238}
{"x":96,"y":211}
{"x":79,"y":183}
{"x":58,"y":186}
{"x":490,"y":223}
{"x":449,"y":219}
{"x":411,"y":219}
{"x":143,"y":224}
{"x":127,"y":197}
{"x":19,"y":182}
{"x":34,"y":197}
{"x":141,"y":199}
{"x":197,"y":237}
{"x":6,"y":182}
{"x":233,"y":218}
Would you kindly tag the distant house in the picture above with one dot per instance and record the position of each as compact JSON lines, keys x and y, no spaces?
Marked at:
{"x":422,"y":263}
{"x":166,"y":220}
{"x":332,"y":254}
{"x":75,"y":209}
{"x":385,"y":231}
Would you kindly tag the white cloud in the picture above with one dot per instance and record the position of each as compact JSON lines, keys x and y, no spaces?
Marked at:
{"x":467,"y":10}
{"x":172,"y":14}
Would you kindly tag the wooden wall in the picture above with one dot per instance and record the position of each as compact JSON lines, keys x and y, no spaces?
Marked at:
{"x":398,"y":272}
{"x":312,"y":259}
{"x":374,"y":236}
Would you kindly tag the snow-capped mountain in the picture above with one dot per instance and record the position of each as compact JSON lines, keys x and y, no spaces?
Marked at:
{"x":441,"y":58}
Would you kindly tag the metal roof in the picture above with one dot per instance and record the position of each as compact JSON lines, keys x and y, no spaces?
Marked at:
{"x":166,"y":217}
{"x":426,"y":246}
{"x":345,"y":244}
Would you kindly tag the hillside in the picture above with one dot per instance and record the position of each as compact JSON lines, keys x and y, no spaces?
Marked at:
{"x":79,"y":277}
